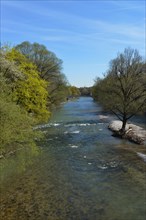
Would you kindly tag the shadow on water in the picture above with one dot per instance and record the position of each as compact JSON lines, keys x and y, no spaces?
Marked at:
{"x":81,"y":172}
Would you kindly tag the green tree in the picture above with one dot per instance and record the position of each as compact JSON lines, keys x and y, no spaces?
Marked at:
{"x":29,"y":92}
{"x":46,"y":61}
{"x":74,"y":91}
{"x":15,"y":124}
{"x":50,"y":68}
{"x":85,"y":91}
{"x":58,"y":91}
{"x":123,"y":90}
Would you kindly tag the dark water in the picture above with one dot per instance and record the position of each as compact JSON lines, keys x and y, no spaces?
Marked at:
{"x":80,"y":172}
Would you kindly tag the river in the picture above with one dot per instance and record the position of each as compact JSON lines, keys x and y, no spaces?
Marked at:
{"x":79,"y":172}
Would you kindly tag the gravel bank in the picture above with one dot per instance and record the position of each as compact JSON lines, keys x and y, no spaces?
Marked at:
{"x":133,"y":132}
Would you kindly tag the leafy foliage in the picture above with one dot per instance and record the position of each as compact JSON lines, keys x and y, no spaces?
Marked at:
{"x":8,"y":69}
{"x":85,"y":91}
{"x":50,"y":68}
{"x":16,"y":125}
{"x":123,"y":90}
{"x":74,"y":91}
{"x":30,"y":92}
{"x":31,"y":82}
{"x":46,"y":61}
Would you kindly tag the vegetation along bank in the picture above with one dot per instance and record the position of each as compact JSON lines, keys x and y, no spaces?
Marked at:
{"x":32,"y":84}
{"x":122,"y":92}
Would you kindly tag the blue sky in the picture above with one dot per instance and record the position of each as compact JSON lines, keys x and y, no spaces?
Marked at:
{"x":86,"y":35}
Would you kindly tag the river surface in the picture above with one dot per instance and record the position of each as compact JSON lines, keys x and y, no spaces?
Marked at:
{"x":78,"y":172}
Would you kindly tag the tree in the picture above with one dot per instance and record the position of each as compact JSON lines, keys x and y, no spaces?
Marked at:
{"x":123,"y":90}
{"x":50,"y":68}
{"x":85,"y":91}
{"x":74,"y":91}
{"x":46,"y":61}
{"x":30,"y":91}
{"x":8,"y":69}
{"x":58,"y":91}
{"x":15,"y":124}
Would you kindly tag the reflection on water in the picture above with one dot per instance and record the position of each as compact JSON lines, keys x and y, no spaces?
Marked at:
{"x":81,"y":172}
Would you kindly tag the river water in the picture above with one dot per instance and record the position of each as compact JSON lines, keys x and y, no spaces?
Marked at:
{"x":79,"y":172}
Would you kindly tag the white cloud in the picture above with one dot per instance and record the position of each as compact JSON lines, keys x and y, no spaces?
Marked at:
{"x":86,"y":25}
{"x":77,"y":30}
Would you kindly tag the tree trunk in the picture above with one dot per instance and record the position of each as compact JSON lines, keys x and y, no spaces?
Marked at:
{"x":123,"y":129}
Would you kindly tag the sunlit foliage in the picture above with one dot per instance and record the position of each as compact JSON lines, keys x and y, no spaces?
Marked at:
{"x":31,"y":91}
{"x":50,"y":68}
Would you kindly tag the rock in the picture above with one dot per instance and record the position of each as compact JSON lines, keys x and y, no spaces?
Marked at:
{"x":116,"y":126}
{"x":103,"y":117}
{"x":133,"y":132}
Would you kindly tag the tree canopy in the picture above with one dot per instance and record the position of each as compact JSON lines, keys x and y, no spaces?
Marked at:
{"x":15,"y":122}
{"x":50,"y":68}
{"x":85,"y":91}
{"x":31,"y":82}
{"x":73,"y":91}
{"x":30,"y":92}
{"x":123,"y":90}
{"x":46,"y":61}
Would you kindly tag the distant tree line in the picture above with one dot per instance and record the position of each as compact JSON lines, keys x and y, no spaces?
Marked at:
{"x":85,"y":91}
{"x":81,"y":91}
{"x":75,"y":92}
{"x":123,"y":88}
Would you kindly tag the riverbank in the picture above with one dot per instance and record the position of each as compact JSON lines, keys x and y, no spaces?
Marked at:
{"x":133,"y":133}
